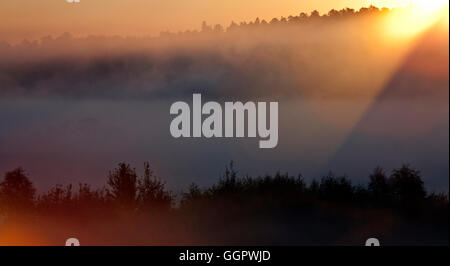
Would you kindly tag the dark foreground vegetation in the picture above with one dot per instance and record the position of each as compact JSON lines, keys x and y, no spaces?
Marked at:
{"x":278,"y":209}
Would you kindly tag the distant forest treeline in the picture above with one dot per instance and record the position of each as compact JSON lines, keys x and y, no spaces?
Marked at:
{"x":302,"y":18}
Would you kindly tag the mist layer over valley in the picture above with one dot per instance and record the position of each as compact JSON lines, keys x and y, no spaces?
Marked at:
{"x":351,"y":97}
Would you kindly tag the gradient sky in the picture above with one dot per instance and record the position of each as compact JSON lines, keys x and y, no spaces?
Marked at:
{"x":35,"y":18}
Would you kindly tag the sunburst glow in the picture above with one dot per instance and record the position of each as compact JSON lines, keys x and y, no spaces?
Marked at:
{"x":430,"y":5}
{"x":418,"y":16}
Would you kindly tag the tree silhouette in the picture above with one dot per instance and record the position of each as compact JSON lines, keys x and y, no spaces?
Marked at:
{"x":206,"y":28}
{"x":122,"y":183}
{"x":315,"y":14}
{"x":407,"y":186}
{"x":193,"y":194}
{"x":88,"y":196}
{"x":229,"y":183}
{"x":152,"y":193}
{"x":379,"y":186}
{"x":57,"y":198}
{"x":335,"y":188}
{"x":16,"y":191}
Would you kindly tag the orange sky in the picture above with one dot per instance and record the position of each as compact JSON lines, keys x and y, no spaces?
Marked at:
{"x":35,"y":18}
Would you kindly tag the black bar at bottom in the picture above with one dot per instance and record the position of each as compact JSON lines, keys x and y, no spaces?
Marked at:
{"x":236,"y":255}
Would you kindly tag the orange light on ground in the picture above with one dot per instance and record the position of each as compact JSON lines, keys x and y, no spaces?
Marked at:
{"x":17,"y":235}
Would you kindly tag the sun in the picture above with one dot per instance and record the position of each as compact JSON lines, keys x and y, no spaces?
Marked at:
{"x":412,"y":19}
{"x":430,"y":5}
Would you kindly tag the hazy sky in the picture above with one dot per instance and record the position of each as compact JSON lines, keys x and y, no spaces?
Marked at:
{"x":36,"y":18}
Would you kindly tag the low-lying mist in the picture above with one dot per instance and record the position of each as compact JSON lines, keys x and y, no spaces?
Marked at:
{"x":351,"y":97}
